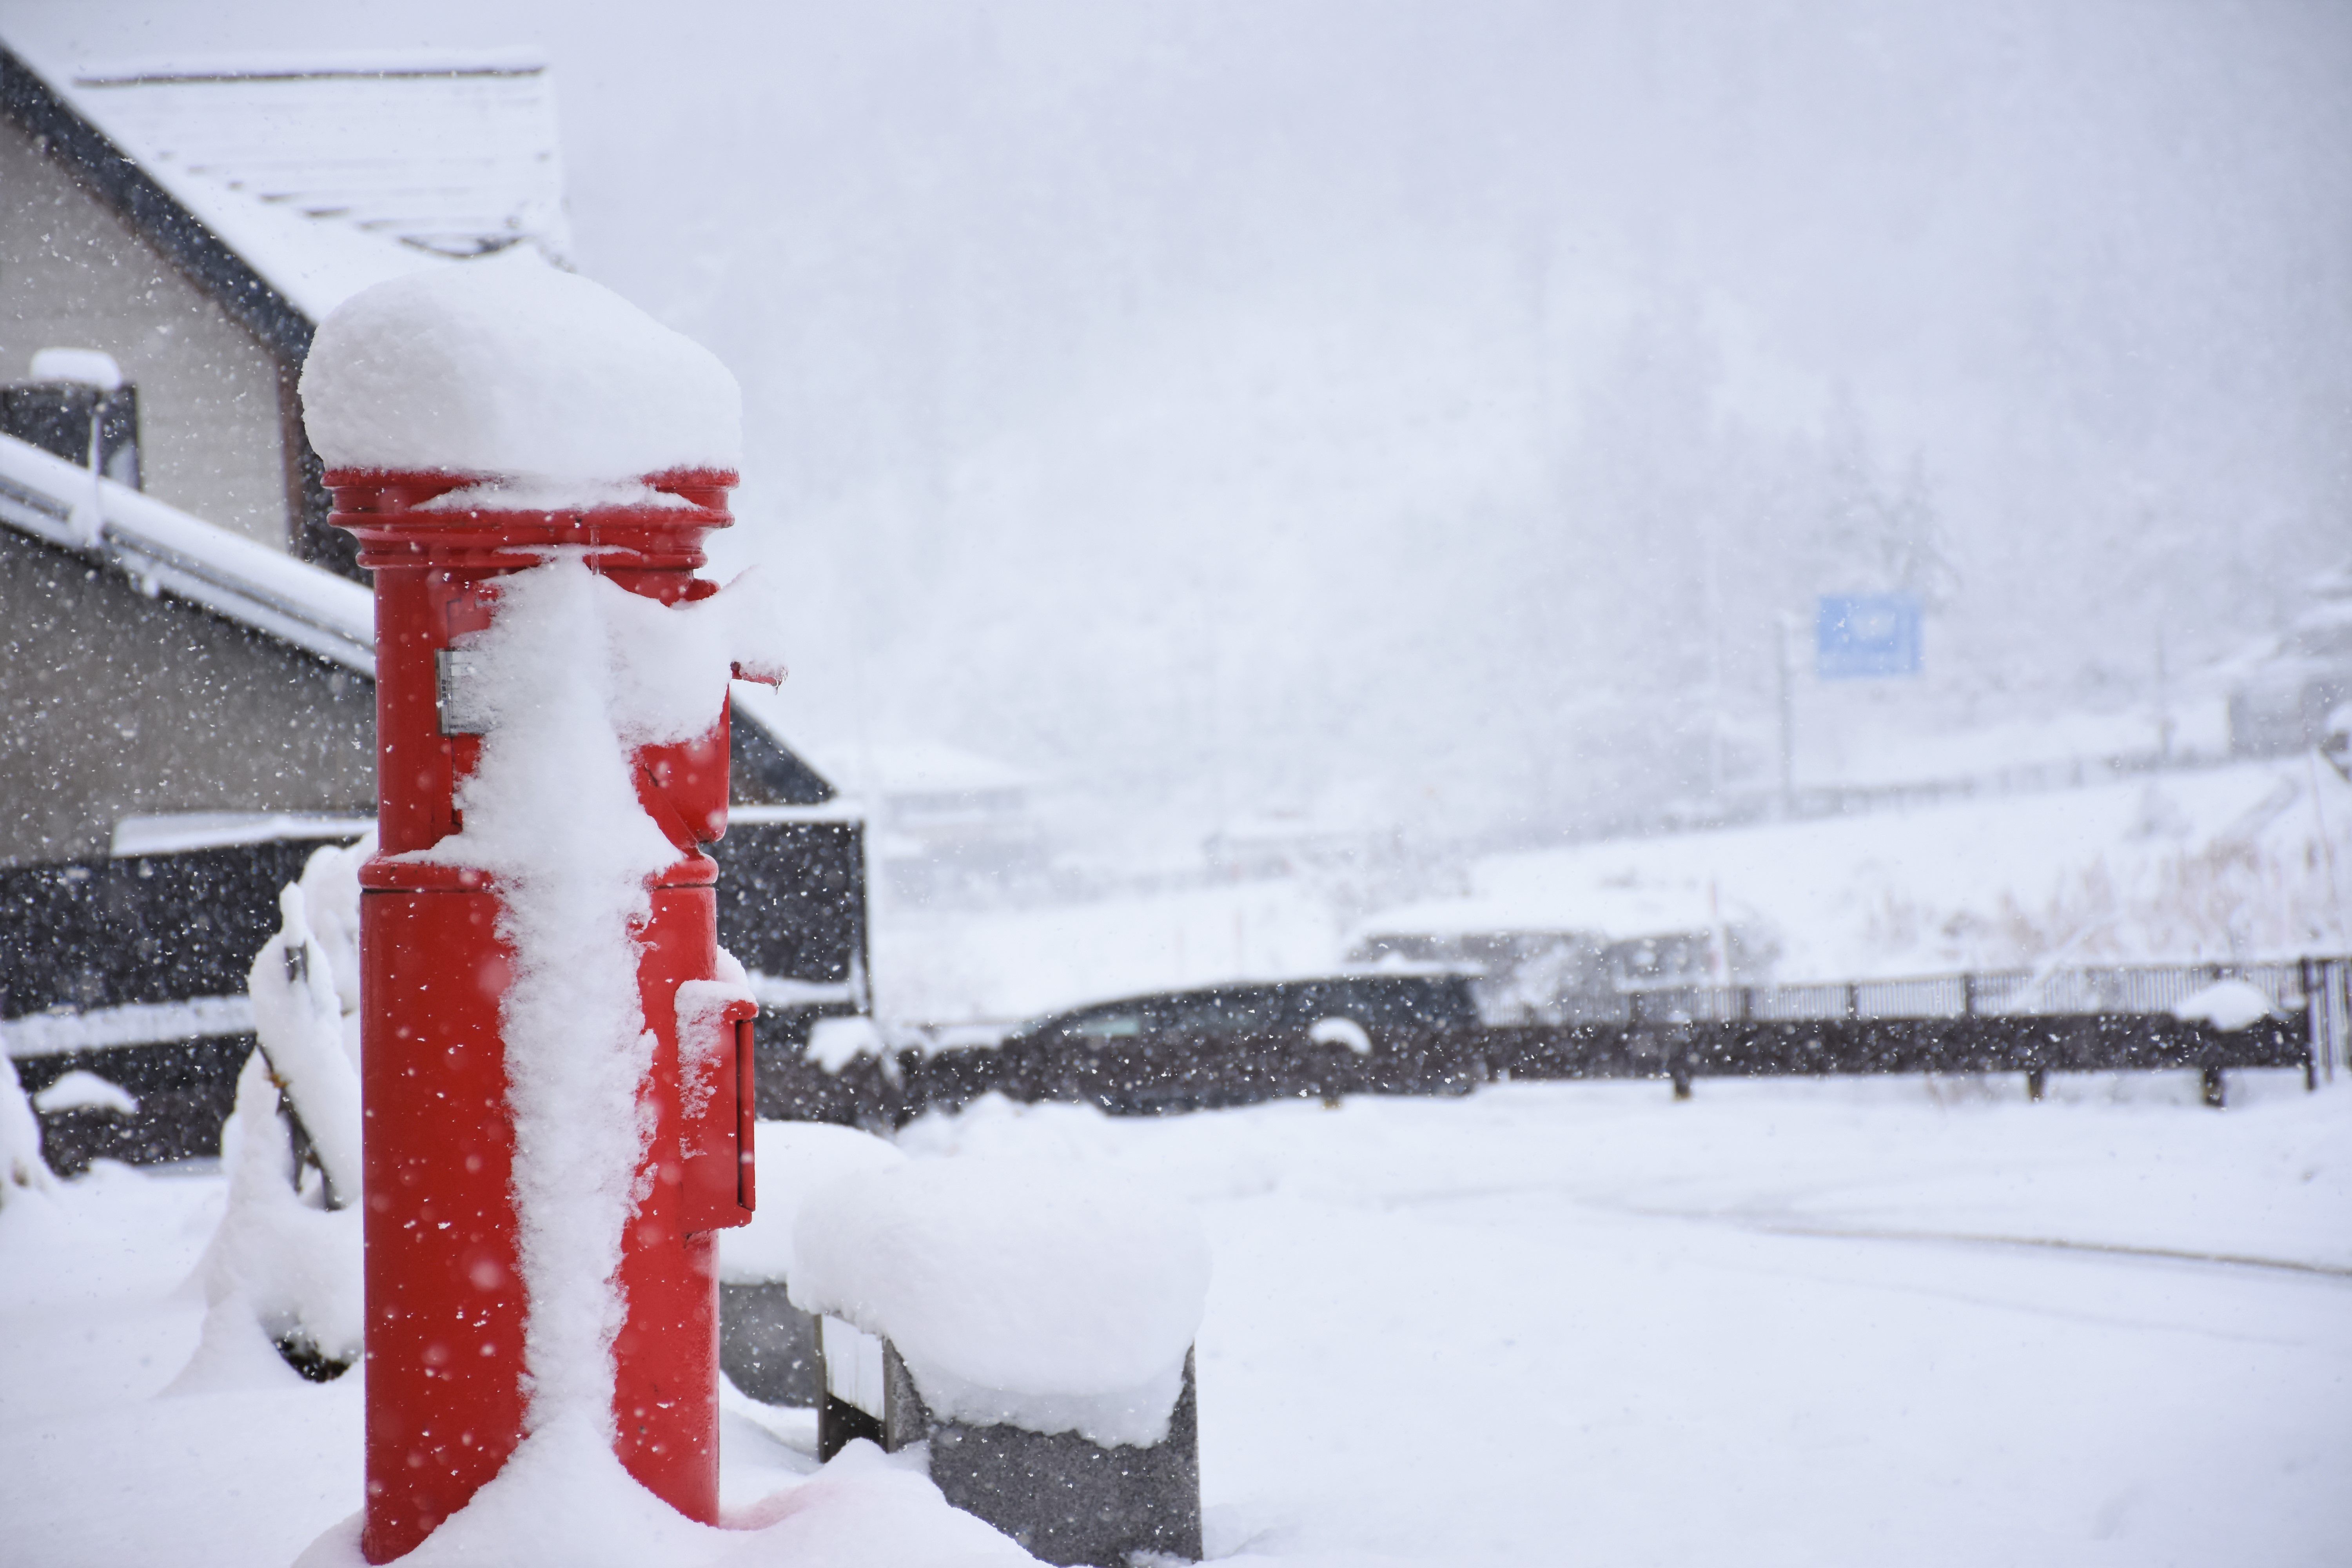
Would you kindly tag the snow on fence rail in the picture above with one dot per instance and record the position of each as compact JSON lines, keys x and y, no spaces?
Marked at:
{"x":134,"y":1024}
{"x":2064,"y":993}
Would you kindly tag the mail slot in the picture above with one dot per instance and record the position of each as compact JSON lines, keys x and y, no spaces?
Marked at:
{"x":718,"y":1094}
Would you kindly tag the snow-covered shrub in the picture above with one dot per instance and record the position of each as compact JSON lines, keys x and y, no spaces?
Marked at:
{"x":22,"y":1169}
{"x":835,"y":1043}
{"x":285,"y":1256}
{"x":305,"y":985}
{"x":280,"y":1261}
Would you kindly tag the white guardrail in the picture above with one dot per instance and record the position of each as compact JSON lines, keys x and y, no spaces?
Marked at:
{"x":165,"y":550}
{"x":134,"y":1024}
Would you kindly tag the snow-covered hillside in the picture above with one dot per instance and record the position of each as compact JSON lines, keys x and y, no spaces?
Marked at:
{"x":2235,"y":863}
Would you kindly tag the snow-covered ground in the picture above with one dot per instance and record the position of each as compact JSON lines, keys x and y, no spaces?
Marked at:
{"x":1843,"y":1322}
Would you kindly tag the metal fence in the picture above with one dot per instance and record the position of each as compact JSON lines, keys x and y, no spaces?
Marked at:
{"x":2115,"y":989}
{"x":2036,"y":1023}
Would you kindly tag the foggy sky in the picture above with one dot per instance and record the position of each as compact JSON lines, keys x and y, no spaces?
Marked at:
{"x":1421,"y":412}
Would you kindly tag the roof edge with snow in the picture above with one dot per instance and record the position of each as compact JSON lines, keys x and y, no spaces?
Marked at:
{"x":316,"y":66}
{"x":166,"y":549}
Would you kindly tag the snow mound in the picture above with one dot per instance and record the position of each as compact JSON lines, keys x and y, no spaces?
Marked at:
{"x":1018,"y":1293}
{"x":579,"y":1509}
{"x":868,"y":1508}
{"x":83,"y":1090}
{"x":796,"y":1161}
{"x":2227,"y":1004}
{"x":835,"y":1043}
{"x":515,"y":370}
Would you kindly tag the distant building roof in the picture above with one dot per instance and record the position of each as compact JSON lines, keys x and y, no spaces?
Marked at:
{"x":935,"y":767}
{"x":919,"y":768}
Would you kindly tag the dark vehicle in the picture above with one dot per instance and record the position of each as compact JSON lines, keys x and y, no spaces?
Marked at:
{"x":1374,"y":1004}
{"x":1235,"y":1044}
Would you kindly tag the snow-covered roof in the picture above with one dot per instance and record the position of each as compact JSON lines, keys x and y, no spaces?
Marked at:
{"x":327,"y":174}
{"x":165,"y":550}
{"x":420,"y":157}
{"x":888,"y":769}
{"x":2317,"y":633}
{"x":454,"y":154}
{"x":935,"y":767}
{"x":177,"y":832}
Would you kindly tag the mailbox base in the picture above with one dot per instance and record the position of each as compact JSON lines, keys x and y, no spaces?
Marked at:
{"x":1065,"y":1499}
{"x":767,"y":1346}
{"x":445,"y":1293}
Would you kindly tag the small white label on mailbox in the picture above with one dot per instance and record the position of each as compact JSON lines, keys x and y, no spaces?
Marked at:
{"x":462,"y":711}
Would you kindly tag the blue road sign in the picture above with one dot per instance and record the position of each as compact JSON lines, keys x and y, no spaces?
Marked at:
{"x":1857,"y":635}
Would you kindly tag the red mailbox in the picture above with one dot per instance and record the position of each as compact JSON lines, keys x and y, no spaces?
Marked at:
{"x":446,"y":1373}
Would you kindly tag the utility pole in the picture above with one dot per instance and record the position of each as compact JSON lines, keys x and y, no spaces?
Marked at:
{"x":1783,"y":624}
{"x":2163,"y":703}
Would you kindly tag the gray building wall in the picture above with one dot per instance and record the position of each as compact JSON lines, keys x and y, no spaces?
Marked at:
{"x":212,"y":401}
{"x":117,"y":704}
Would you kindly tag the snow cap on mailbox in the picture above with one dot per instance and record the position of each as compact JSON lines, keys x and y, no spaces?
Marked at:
{"x":510,"y":368}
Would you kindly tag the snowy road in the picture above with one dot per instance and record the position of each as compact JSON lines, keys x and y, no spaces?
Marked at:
{"x":1785,"y":1323}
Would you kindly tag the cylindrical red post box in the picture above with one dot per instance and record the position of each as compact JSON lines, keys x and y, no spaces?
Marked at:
{"x":446,"y":1307}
